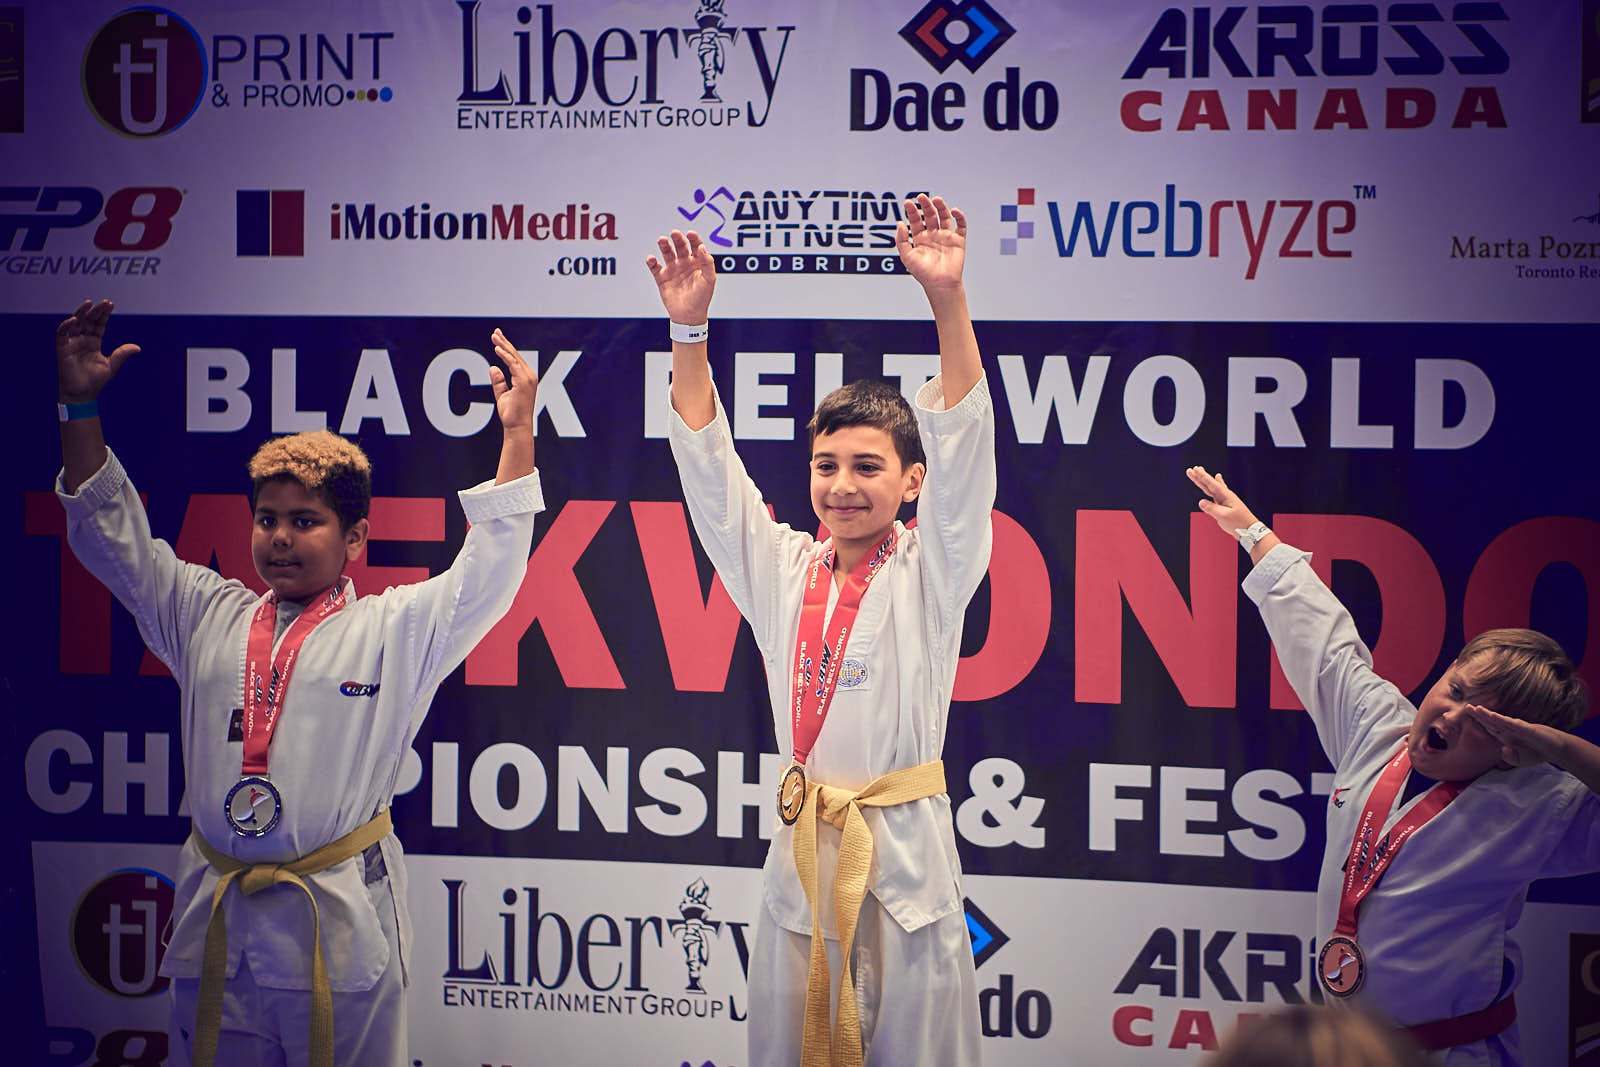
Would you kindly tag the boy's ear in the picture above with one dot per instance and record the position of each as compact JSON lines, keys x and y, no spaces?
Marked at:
{"x":914,"y":476}
{"x":355,"y":539}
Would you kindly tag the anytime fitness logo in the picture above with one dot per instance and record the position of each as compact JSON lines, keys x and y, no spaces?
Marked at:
{"x":618,"y":77}
{"x":116,"y":931}
{"x":797,"y":231}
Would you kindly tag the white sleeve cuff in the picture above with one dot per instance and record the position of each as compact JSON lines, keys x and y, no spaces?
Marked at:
{"x":940,"y":420}
{"x":487,"y":500}
{"x":98,"y":490}
{"x":1264,"y":575}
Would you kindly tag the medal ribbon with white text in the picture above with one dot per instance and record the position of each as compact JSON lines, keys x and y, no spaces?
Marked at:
{"x":1368,"y":860}
{"x":818,"y":658}
{"x":266,"y":687}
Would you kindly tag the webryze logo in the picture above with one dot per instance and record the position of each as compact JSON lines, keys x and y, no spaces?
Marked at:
{"x":679,"y":964}
{"x":1258,"y":231}
{"x":798,"y":231}
{"x":618,"y":78}
{"x":1414,"y":41}
{"x":943,"y":33}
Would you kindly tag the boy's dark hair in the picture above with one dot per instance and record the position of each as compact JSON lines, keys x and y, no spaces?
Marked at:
{"x":1524,"y":674}
{"x":870,"y":402}
{"x":335,"y":469}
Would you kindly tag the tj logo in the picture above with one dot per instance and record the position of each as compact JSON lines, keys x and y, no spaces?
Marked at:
{"x":969,"y":33}
{"x":116,"y":932}
{"x":703,"y":203}
{"x":144,"y":72}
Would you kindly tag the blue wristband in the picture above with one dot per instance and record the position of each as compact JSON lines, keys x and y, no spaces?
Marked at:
{"x":73,"y":412}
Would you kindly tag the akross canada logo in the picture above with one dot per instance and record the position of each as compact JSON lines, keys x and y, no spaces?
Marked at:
{"x":1313,"y":45}
{"x":116,"y":931}
{"x":540,"y":74}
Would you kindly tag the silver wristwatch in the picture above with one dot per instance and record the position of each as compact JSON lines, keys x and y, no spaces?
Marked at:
{"x":1251,"y":535}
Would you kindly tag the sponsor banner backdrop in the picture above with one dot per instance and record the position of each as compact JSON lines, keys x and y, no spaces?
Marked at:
{"x":1346,"y":254}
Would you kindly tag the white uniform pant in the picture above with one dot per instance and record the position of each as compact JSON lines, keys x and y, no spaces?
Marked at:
{"x":918,"y":992}
{"x":267,"y":1027}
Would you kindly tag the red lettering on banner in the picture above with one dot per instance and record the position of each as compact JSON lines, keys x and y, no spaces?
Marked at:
{"x":1203,"y":108}
{"x":550,"y":595}
{"x":1193,"y":1027}
{"x":1122,"y":1021}
{"x":1198,"y":649}
{"x":1500,"y":590}
{"x":1409,"y":589}
{"x":85,"y":631}
{"x":397,"y":518}
{"x":1408,"y":109}
{"x":1279,"y":106}
{"x":1019,"y":615}
{"x":1341,"y":107}
{"x":1480,"y":105}
{"x":699,"y":634}
{"x":1132,"y":106}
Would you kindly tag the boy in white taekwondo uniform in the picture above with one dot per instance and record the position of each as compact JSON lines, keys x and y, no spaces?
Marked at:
{"x":864,"y":856}
{"x":1441,"y":814}
{"x":330,"y":691}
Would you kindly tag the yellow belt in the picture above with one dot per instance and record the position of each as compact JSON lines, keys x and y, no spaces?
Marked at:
{"x":842,"y":809}
{"x":253,"y":878}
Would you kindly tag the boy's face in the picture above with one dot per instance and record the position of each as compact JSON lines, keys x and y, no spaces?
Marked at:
{"x":296,"y":542}
{"x":858,"y":483}
{"x":1444,"y":741}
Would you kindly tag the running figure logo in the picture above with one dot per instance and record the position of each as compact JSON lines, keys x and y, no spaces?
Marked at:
{"x":709,"y":45}
{"x":704,"y":203}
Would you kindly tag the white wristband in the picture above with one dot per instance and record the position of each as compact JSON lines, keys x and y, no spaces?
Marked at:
{"x":689,"y":335}
{"x":1251,"y":535}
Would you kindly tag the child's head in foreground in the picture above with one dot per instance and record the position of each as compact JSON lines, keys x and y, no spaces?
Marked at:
{"x":1518,"y":673}
{"x":866,"y":460}
{"x":1305,"y":1035}
{"x":312,"y":492}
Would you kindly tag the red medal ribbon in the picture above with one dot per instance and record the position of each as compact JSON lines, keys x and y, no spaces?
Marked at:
{"x":818,"y":659}
{"x":1368,"y":860}
{"x":266,"y":688}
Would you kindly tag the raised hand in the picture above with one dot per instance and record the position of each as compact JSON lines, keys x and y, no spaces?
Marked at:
{"x":1521,"y":743}
{"x":933,"y":242}
{"x":685,"y":275}
{"x":82,"y":370}
{"x":515,"y":388}
{"x":1221,"y":503}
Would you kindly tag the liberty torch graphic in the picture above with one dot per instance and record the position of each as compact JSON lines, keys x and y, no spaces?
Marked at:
{"x":695,"y":931}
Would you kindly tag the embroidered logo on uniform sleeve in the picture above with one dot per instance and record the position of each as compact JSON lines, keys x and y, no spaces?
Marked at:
{"x":1338,"y":795}
{"x":853,"y":675}
{"x":359,"y":689}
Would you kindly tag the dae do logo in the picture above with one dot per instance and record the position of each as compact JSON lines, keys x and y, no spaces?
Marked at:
{"x":116,"y":932}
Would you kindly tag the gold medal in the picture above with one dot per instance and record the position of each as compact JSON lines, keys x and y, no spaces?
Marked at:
{"x":1340,"y":966}
{"x":792,"y":794}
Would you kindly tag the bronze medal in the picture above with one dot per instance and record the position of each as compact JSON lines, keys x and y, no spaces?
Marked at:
{"x":1340,"y":966}
{"x":792,"y":794}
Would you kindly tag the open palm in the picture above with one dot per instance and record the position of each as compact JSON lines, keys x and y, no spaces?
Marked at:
{"x":82,"y":370}
{"x":685,"y":275}
{"x":933,"y":242}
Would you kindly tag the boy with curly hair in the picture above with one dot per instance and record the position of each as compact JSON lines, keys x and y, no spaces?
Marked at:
{"x":296,"y":710}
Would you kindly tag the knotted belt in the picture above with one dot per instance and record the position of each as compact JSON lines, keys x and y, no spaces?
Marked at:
{"x":842,"y":809}
{"x":252,"y":879}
